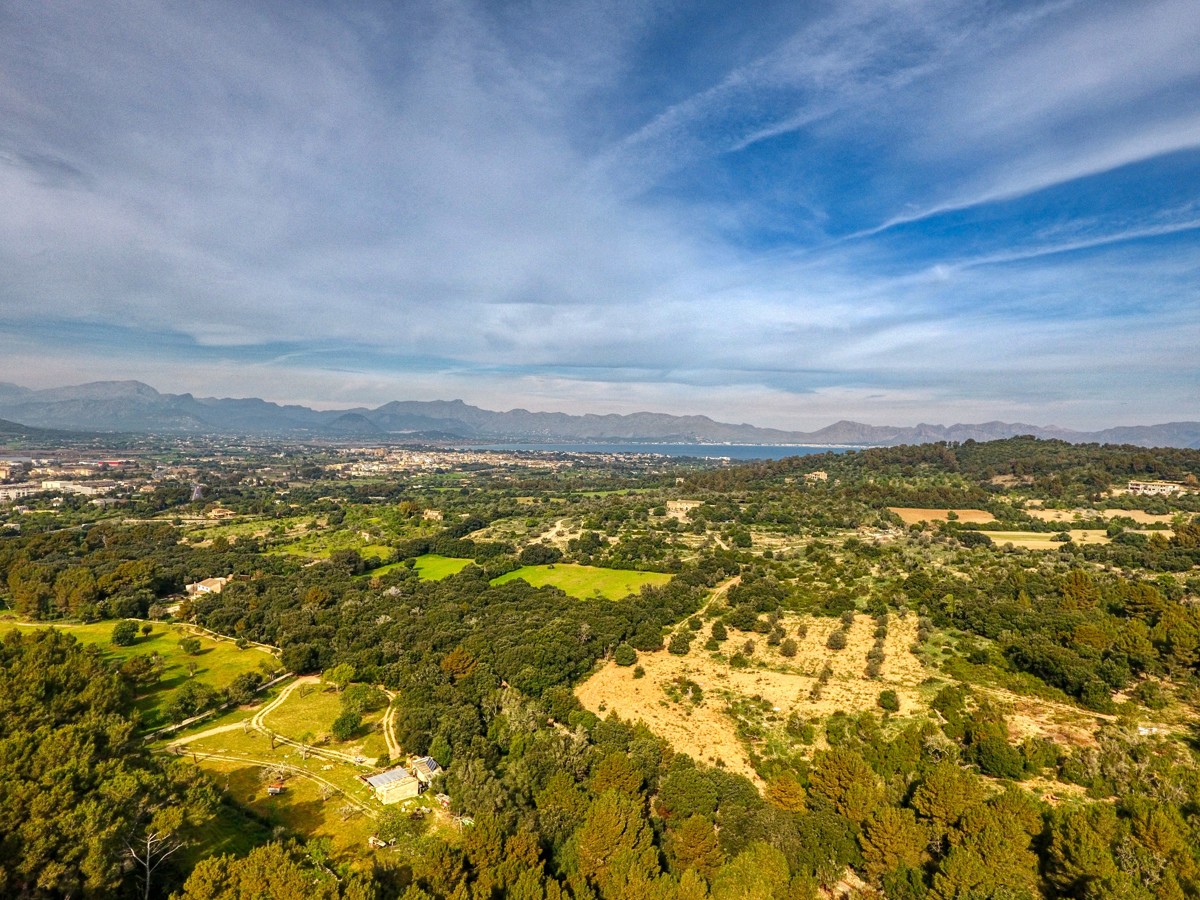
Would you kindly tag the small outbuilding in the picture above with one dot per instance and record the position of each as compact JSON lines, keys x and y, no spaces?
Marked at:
{"x":426,"y":768}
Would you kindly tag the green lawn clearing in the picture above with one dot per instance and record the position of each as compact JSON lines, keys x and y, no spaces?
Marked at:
{"x":586,"y":581}
{"x":217,"y":663}
{"x":307,"y":715}
{"x":429,"y":567}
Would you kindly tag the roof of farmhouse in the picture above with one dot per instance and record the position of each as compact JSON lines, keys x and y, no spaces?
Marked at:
{"x":389,"y":777}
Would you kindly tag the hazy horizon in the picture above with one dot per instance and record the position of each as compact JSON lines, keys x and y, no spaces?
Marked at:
{"x":890,"y":213}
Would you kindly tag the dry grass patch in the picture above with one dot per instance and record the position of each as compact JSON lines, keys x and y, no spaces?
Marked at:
{"x":911,"y":515}
{"x":776,"y":685}
{"x":680,"y":509}
{"x":1041,"y":540}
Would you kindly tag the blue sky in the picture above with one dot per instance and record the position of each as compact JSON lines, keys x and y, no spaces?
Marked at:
{"x":782,"y":213}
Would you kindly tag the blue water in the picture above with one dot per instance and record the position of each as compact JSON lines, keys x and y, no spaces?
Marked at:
{"x":702,"y":451}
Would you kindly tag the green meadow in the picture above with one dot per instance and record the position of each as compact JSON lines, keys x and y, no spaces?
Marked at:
{"x":217,"y":663}
{"x":430,"y":566}
{"x":586,"y":581}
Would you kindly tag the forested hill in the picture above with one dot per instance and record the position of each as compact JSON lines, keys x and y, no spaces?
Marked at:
{"x":1095,"y":466}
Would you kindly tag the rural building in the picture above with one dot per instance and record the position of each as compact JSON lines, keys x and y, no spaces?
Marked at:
{"x":1154,"y":488}
{"x":394,"y":785}
{"x":426,"y":769}
{"x":207,"y":586}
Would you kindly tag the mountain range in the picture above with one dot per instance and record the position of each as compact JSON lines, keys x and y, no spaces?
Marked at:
{"x":131,"y":406}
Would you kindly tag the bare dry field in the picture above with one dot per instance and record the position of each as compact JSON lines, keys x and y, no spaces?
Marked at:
{"x":1042,"y":540}
{"x":1069,"y":515}
{"x":679,"y":509}
{"x":912,"y":515}
{"x":707,"y":732}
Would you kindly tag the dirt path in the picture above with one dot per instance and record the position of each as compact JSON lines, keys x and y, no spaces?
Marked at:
{"x":212,"y":732}
{"x":395,"y":751}
{"x":259,"y":723}
{"x":257,"y":719}
{"x":293,"y":770}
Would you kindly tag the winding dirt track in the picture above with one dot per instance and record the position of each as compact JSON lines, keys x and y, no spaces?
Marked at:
{"x":395,"y":751}
{"x":258,"y":723}
{"x":294,"y":770}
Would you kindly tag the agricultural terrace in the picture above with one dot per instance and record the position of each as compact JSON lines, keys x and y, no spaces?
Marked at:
{"x":217,"y":663}
{"x":585,"y":582}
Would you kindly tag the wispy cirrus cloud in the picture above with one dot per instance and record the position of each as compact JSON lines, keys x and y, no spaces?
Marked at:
{"x":891,"y":206}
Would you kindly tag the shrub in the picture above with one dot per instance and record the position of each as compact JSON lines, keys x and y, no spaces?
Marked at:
{"x":124,"y":633}
{"x":718,"y":631}
{"x":888,"y":701}
{"x":1150,"y":694}
{"x":847,"y":617}
{"x":837,"y":641}
{"x":680,"y":643}
{"x":345,"y":725}
{"x":998,"y":758}
{"x":639,"y":672}
{"x":788,"y":648}
{"x":625,"y":655}
{"x":694,"y":623}
{"x":241,"y":690}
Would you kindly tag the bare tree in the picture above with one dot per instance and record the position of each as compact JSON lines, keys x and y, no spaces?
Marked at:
{"x":156,"y":844}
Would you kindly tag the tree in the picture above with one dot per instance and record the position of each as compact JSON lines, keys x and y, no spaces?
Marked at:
{"x":273,"y":870}
{"x":75,"y":590}
{"x":946,"y":793}
{"x":614,"y":843}
{"x":891,"y":838}
{"x":615,"y":772}
{"x":786,"y":792}
{"x":841,"y":779}
{"x":346,"y":725}
{"x":124,"y":633}
{"x":760,"y":872}
{"x":625,"y":655}
{"x":190,"y":645}
{"x":694,"y":845}
{"x":339,"y":676}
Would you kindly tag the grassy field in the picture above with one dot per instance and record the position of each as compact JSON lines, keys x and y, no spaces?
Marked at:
{"x":586,"y":581}
{"x":430,"y":567}
{"x":218,"y":662}
{"x":308,"y":713}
